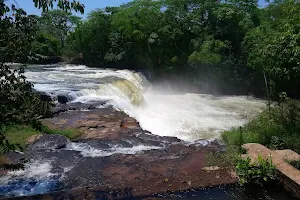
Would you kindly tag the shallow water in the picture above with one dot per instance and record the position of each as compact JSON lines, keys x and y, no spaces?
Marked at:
{"x":232,"y":192}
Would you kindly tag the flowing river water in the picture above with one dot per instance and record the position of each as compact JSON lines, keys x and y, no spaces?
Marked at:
{"x":162,"y":110}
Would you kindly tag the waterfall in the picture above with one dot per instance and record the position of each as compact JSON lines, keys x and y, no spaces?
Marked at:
{"x":184,"y":115}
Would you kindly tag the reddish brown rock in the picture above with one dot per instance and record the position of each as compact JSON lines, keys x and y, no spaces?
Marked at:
{"x":170,"y":166}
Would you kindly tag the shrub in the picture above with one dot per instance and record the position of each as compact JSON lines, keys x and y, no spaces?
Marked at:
{"x":261,"y":172}
{"x":277,"y":128}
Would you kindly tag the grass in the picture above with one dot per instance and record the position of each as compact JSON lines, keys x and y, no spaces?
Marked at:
{"x":69,"y":133}
{"x":18,"y":134}
{"x":223,"y":159}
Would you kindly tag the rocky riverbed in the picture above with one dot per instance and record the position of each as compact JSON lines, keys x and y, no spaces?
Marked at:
{"x":113,"y":157}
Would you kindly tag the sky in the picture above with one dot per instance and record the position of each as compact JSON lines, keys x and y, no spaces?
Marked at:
{"x":90,"y":5}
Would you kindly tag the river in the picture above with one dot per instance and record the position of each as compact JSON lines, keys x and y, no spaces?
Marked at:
{"x":159,"y":108}
{"x":162,"y":110}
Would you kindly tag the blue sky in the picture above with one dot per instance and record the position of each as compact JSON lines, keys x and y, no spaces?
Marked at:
{"x":28,"y":5}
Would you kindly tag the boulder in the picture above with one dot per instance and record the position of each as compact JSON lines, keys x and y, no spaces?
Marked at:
{"x":49,"y":142}
{"x":129,"y":123}
{"x":63,"y":99}
{"x":44,"y":96}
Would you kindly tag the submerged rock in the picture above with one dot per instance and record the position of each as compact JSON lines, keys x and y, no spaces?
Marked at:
{"x":44,"y":96}
{"x":59,"y":108}
{"x":63,"y":99}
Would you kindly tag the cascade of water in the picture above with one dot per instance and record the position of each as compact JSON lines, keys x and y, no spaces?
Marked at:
{"x":186,"y":116}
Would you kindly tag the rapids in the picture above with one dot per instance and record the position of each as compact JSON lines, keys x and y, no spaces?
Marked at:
{"x":163,"y":112}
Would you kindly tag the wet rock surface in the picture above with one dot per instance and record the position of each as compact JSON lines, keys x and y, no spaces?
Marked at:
{"x":63,"y":99}
{"x":114,"y":152}
{"x":60,"y":108}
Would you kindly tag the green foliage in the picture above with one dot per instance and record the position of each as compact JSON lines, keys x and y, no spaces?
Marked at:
{"x":51,"y":33}
{"x":18,"y":103}
{"x":277,"y":128}
{"x":62,"y":4}
{"x":45,"y":45}
{"x":17,"y":134}
{"x":90,"y":39}
{"x":209,"y":53}
{"x":201,"y":41}
{"x":71,"y":134}
{"x":261,"y":172}
{"x":228,"y":158}
{"x":274,"y":46}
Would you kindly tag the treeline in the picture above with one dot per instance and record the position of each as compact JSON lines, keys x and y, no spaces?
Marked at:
{"x":218,"y":46}
{"x":51,"y":30}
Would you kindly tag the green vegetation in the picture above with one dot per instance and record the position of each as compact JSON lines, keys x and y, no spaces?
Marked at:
{"x":277,"y":128}
{"x":18,"y":134}
{"x":18,"y":103}
{"x":52,"y":29}
{"x":218,"y":46}
{"x":69,"y":133}
{"x":228,"y":158}
{"x":230,"y":47}
{"x":261,"y":172}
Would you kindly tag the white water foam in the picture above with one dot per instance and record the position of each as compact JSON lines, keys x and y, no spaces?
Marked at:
{"x":88,"y":151}
{"x":35,"y":178}
{"x":189,"y":117}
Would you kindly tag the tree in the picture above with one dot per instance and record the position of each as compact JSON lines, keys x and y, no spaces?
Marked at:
{"x":18,"y":103}
{"x":58,"y":23}
{"x":274,"y":46}
{"x":90,"y":39}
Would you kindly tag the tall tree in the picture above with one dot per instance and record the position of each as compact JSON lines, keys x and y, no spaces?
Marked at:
{"x":18,"y":103}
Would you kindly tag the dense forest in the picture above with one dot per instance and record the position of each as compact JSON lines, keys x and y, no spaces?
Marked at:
{"x":218,"y":46}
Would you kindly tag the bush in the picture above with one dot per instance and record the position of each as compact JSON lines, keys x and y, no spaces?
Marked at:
{"x":261,"y":172}
{"x":18,"y":104}
{"x":277,"y":127}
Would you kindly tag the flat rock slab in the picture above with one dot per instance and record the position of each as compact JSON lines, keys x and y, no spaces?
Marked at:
{"x":94,"y":124}
{"x":290,"y":176}
{"x":287,"y":154}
